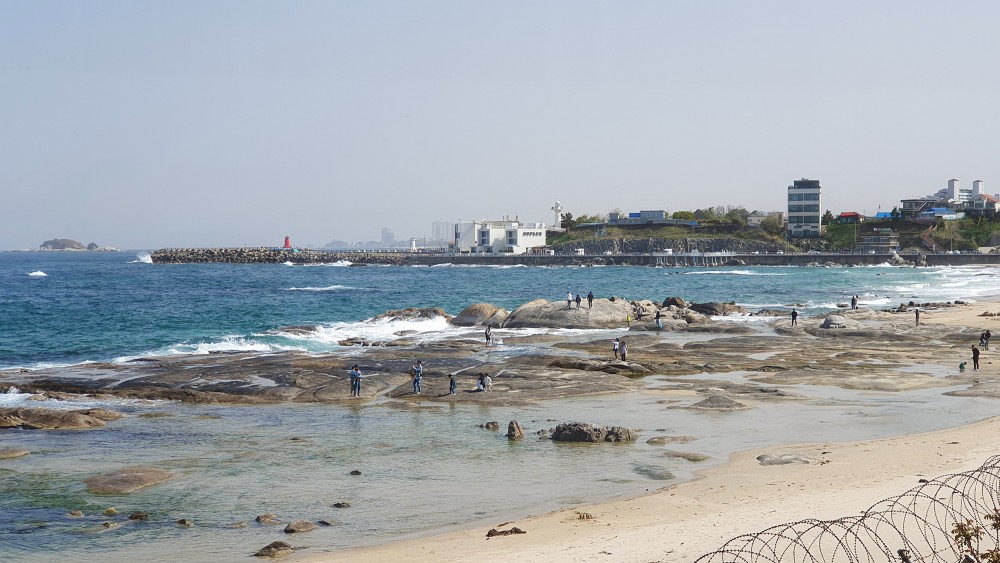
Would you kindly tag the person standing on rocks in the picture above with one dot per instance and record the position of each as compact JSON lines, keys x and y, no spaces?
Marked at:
{"x":590,"y":300}
{"x":916,"y":312}
{"x":578,"y":300}
{"x":569,"y":299}
{"x":355,"y":381}
{"x":451,"y":383}
{"x":623,"y":350}
{"x":795,"y":316}
{"x":489,"y":335}
{"x":616,"y":347}
{"x":854,"y":303}
{"x":418,"y":375}
{"x":659,"y":323}
{"x":975,"y":357}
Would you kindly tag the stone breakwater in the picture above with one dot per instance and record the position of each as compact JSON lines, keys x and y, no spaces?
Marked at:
{"x":264,"y":255}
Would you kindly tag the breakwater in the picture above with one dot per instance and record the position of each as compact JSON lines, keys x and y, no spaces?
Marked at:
{"x":265,"y":255}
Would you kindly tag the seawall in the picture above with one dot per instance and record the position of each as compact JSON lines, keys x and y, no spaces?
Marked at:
{"x":263,"y":255}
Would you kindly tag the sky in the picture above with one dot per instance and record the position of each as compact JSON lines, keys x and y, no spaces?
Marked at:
{"x":145,"y":124}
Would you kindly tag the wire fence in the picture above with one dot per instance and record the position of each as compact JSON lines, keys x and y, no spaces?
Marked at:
{"x":951,"y":519}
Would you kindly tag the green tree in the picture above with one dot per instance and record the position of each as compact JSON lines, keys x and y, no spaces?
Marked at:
{"x":567,"y":221}
{"x":683,"y":215}
{"x":827,"y":218}
{"x":591,"y":219}
{"x":771,"y":225}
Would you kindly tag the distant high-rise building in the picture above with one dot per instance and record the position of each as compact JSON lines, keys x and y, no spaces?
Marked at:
{"x":804,"y":203}
{"x":442,"y":231}
{"x":388,"y":239}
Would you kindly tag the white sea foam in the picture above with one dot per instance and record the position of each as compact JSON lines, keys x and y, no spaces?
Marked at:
{"x":38,"y":274}
{"x":732,"y":273}
{"x":288,"y":263}
{"x":14,"y":398}
{"x":327,"y":288}
{"x":142,"y":258}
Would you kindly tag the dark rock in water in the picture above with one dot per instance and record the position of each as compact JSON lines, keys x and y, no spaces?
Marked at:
{"x":716,"y":309}
{"x":654,"y":472}
{"x":184,"y":522}
{"x":719,"y":403}
{"x":492,"y":425}
{"x":342,"y":504}
{"x":620,"y":434}
{"x":578,"y":432}
{"x":325,"y":522}
{"x":678,"y":302}
{"x":300,"y":526}
{"x":75,"y":513}
{"x":495,"y":532}
{"x":583,"y":432}
{"x":355,"y":472}
{"x":274,"y":549}
{"x":783,"y":459}
{"x":155,"y":415}
{"x":126,"y":480}
{"x":11,"y":453}
{"x":690,"y":456}
{"x":514,"y":431}
{"x":268,"y":518}
{"x":139,"y":515}
{"x":238,"y":525}
{"x":480,"y":314}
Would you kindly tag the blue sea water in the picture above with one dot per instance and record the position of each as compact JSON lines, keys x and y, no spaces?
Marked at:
{"x":67,"y":308}
{"x":423,"y":469}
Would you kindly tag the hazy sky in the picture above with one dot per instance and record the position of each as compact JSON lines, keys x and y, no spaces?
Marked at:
{"x":145,"y":124}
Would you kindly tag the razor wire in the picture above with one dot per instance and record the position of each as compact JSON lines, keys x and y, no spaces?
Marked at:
{"x":951,"y":519}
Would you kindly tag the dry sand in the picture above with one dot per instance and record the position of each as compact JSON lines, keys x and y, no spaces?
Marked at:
{"x":687,"y":520}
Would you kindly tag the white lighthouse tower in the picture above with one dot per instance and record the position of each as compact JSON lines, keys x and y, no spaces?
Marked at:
{"x":557,"y":209}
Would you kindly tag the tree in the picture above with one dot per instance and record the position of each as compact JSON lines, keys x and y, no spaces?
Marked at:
{"x":590,"y":219}
{"x":771,"y":225}
{"x":704,"y":214}
{"x":895,"y":215}
{"x":683,"y":215}
{"x":738,"y":215}
{"x":567,"y":221}
{"x":827,"y":218}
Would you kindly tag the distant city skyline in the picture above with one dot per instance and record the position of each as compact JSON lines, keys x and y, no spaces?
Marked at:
{"x":232,"y":123}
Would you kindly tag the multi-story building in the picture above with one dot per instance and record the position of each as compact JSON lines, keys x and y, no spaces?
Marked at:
{"x":498,"y":236}
{"x":878,"y":241}
{"x":804,"y":203}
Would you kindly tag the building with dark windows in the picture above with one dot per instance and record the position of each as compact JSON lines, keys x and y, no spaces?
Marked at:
{"x":804,"y":203}
{"x":878,"y":241}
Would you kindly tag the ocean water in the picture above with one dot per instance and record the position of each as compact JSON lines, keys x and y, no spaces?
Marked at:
{"x":422,"y":469}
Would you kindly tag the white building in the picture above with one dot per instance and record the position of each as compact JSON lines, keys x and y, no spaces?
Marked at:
{"x":514,"y":237}
{"x":804,"y":203}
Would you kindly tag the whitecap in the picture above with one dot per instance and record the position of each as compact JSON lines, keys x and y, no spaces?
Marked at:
{"x":38,"y":274}
{"x":142,"y":258}
{"x":287,"y":263}
{"x":732,"y":273}
{"x":327,"y":288}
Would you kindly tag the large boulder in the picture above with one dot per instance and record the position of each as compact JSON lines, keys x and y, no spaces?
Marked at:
{"x":51,"y":419}
{"x":717,"y":309}
{"x":480,"y":314}
{"x":678,"y":302}
{"x":514,"y":430}
{"x":542,"y":313}
{"x":126,"y":480}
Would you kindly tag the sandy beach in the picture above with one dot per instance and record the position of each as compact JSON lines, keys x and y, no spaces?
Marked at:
{"x":685,"y":521}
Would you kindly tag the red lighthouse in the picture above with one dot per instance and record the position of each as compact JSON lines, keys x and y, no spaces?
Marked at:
{"x":288,"y":242}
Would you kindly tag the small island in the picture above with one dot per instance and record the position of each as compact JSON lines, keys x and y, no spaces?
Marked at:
{"x":70,"y":244}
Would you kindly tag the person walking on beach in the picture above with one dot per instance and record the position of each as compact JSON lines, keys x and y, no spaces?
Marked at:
{"x":975,"y":357}
{"x":418,"y":375}
{"x":578,"y":300}
{"x":451,"y":383}
{"x":615,"y":347}
{"x":623,"y":350}
{"x":916,"y":313}
{"x":489,"y":335}
{"x":355,"y":381}
{"x":795,"y":316}
{"x":590,"y":300}
{"x":569,"y":299}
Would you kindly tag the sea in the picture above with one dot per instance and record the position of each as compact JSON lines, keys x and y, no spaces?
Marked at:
{"x":422,"y":470}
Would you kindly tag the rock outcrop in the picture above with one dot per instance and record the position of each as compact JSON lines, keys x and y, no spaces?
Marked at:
{"x":127,"y":480}
{"x":514,"y":430}
{"x":542,"y":313}
{"x":51,"y":419}
{"x":477,"y":314}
